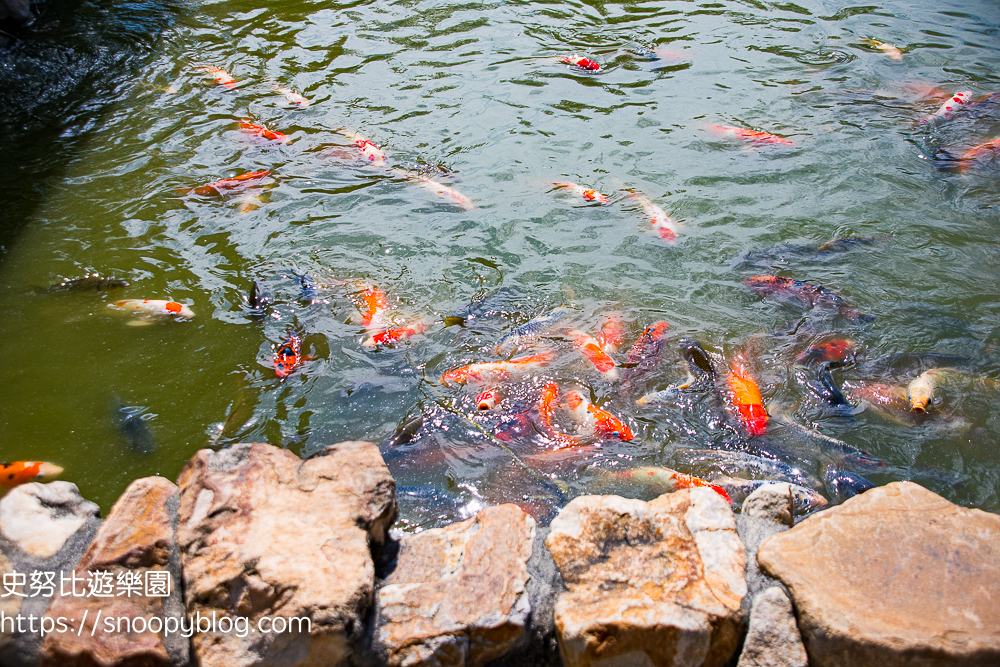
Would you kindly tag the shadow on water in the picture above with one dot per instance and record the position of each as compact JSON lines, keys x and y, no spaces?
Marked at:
{"x":58,"y":79}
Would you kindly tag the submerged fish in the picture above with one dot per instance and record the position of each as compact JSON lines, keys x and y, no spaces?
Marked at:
{"x":741,"y":464}
{"x":527,"y":334}
{"x":662,"y":223}
{"x":271,"y":135}
{"x":982,"y":154}
{"x":822,"y":384}
{"x":804,"y":500}
{"x":832,"y":351}
{"x":889,"y":49}
{"x":645,"y":354}
{"x":805,"y":293}
{"x":23,"y":472}
{"x":755,"y":136}
{"x":500,"y":302}
{"x":495,"y":371}
{"x":605,"y":423}
{"x":221,"y":76}
{"x":91,"y":283}
{"x":149,"y":310}
{"x":288,"y":356}
{"x":948,"y":109}
{"x":842,"y":485}
{"x":307,"y":286}
{"x":259,"y":298}
{"x":582,"y":63}
{"x":547,"y":401}
{"x":783,"y":253}
{"x":580,"y":191}
{"x":745,"y":397}
{"x":661,"y":480}
{"x":243,"y":180}
{"x":592,"y":349}
{"x":405,"y":433}
{"x":831,"y":447}
{"x":293,"y":97}
{"x":848,"y":242}
{"x":451,"y":194}
{"x":131,"y":423}
{"x":395,"y":334}
{"x":612,"y":334}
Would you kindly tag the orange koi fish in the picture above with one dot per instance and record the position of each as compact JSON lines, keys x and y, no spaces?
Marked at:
{"x":372,"y":304}
{"x":547,"y":402}
{"x":230,"y":183}
{"x":582,"y":63}
{"x":456,"y":197}
{"x":605,"y":423}
{"x":648,"y":343}
{"x":612,"y":334}
{"x":980,"y":154}
{"x":495,"y":371}
{"x":756,"y":136}
{"x":250,"y":128}
{"x":293,"y":97}
{"x":591,"y":349}
{"x":888,"y":49}
{"x":221,"y":76}
{"x":745,"y":396}
{"x":664,"y":225}
{"x":288,"y":357}
{"x":662,"y":480}
{"x":22,"y":472}
{"x":589,"y":195}
{"x":395,"y":334}
{"x":948,"y":109}
{"x":832,"y":350}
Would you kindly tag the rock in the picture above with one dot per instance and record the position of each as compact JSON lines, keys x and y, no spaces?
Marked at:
{"x":895,"y":576}
{"x":16,"y":12}
{"x":773,"y":638}
{"x":657,"y":583}
{"x":772,"y":502}
{"x":44,"y":528}
{"x":753,"y":531}
{"x":264,"y":534}
{"x":39,"y":518}
{"x":458,"y":595}
{"x":138,"y":537}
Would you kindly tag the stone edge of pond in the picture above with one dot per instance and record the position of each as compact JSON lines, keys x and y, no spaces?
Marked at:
{"x":897,"y":575}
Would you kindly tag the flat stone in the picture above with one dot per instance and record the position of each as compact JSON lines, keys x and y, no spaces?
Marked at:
{"x":772,"y":502}
{"x":773,"y":638}
{"x":265,"y":535}
{"x":39,"y":518}
{"x":649,"y":583}
{"x":458,"y":595}
{"x":895,"y":576}
{"x":138,"y":537}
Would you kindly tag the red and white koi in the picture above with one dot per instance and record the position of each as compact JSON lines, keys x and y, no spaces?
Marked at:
{"x":949,"y":108}
{"x":293,"y":97}
{"x":216,"y":188}
{"x":495,"y":371}
{"x":756,"y":136}
{"x":612,"y":334}
{"x":454,"y":196}
{"x":662,"y":223}
{"x":395,"y":334}
{"x":591,"y":348}
{"x":582,"y":63}
{"x":605,"y":423}
{"x":263,"y":132}
{"x":23,"y":472}
{"x":369,"y":152}
{"x":488,"y":399}
{"x":661,"y":480}
{"x":153,"y":309}
{"x":221,"y":76}
{"x":588,"y":195}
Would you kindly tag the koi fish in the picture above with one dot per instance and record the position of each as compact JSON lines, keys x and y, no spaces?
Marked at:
{"x":806,"y":293}
{"x":495,"y":371}
{"x":948,"y":109}
{"x":832,"y":351}
{"x":22,"y":472}
{"x":831,"y":447}
{"x":843,"y":485}
{"x":221,"y":76}
{"x":823,"y":386}
{"x":488,"y":400}
{"x":456,"y":197}
{"x":152,"y":309}
{"x":605,"y":423}
{"x":591,"y":349}
{"x":889,"y":49}
{"x":91,"y":283}
{"x":890,"y":401}
{"x":527,"y":334}
{"x":740,"y":464}
{"x":230,"y":183}
{"x":662,"y":480}
{"x":920,"y":391}
{"x":804,"y":500}
{"x":372,"y":304}
{"x":547,"y":401}
{"x":983,"y":153}
{"x":288,"y":357}
{"x":699,"y":363}
{"x":582,"y":63}
{"x":307,"y":286}
{"x":745,"y":397}
{"x":131,"y":423}
{"x":662,"y":223}
{"x":612,"y":334}
{"x":755,"y":136}
{"x":293,"y":97}
{"x":579,"y":190}
{"x":394,"y":334}
{"x":369,"y":152}
{"x":259,"y":298}
{"x":271,"y":135}
{"x":647,"y":345}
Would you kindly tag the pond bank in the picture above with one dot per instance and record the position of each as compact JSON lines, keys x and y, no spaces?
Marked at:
{"x":279,"y":561}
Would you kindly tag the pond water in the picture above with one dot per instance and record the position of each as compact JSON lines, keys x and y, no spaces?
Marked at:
{"x":473,"y":95}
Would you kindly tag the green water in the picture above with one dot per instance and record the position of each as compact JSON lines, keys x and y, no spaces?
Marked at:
{"x":477,"y":89}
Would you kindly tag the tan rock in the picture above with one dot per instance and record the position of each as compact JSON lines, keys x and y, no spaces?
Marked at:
{"x":772,"y":502}
{"x":39,"y":518}
{"x":9,"y":606}
{"x":138,"y":537}
{"x":895,"y":576}
{"x":458,"y":595}
{"x":264,"y":534}
{"x":657,"y":583}
{"x":773,"y":638}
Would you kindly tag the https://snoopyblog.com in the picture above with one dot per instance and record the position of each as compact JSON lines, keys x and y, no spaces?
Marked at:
{"x":152,"y":583}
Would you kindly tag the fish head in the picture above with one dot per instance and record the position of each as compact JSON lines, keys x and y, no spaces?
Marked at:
{"x":487,"y":400}
{"x":48,"y":472}
{"x":806,"y":500}
{"x":919,"y":397}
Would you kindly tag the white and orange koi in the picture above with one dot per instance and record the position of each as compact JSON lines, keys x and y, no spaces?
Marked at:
{"x":661,"y":480}
{"x":495,"y":371}
{"x":395,"y":334}
{"x":592,"y":349}
{"x":612,"y":334}
{"x":579,"y":190}
{"x":662,"y":223}
{"x":948,"y":109}
{"x":293,"y":97}
{"x":582,"y":63}
{"x":152,"y":309}
{"x":547,"y":402}
{"x":888,"y":49}
{"x":451,"y":194}
{"x":488,"y":399}
{"x":756,"y":136}
{"x":369,"y":152}
{"x":605,"y":423}
{"x":23,"y":472}
{"x":221,"y":76}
